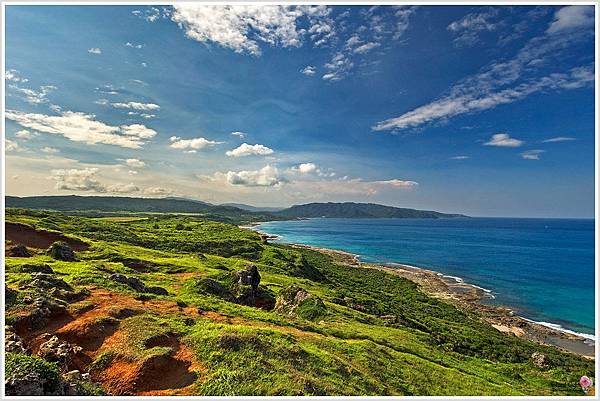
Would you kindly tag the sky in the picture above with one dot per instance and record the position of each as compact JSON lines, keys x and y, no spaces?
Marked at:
{"x":481,"y":110}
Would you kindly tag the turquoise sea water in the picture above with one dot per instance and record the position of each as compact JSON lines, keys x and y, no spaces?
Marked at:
{"x":542,"y":268}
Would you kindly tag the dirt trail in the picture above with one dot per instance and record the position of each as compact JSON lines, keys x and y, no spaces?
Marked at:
{"x":30,"y":237}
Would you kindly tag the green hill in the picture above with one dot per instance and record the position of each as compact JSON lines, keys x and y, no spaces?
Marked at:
{"x":358,"y":211}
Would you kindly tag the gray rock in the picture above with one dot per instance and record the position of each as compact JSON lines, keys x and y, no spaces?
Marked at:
{"x":18,"y":251}
{"x":61,"y":251}
{"x":55,"y":350}
{"x":540,"y":360}
{"x":157,"y":290}
{"x":30,"y":384}
{"x":249,"y":276}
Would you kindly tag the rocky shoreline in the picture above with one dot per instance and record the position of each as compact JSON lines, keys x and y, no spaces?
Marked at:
{"x":470,"y":297}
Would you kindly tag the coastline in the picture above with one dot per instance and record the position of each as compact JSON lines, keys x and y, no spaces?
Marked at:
{"x":467,"y":297}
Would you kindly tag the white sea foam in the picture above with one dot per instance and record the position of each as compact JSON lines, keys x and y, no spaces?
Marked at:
{"x":558,"y":327}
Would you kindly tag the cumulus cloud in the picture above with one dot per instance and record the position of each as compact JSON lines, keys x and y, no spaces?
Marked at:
{"x":135,"y":163}
{"x":267,"y":176}
{"x":192,"y":144}
{"x":81,"y":127}
{"x":77,"y":179}
{"x":136,"y":106}
{"x":122,"y":188}
{"x":503,"y":140}
{"x":572,"y":17}
{"x":95,"y":50}
{"x":532,"y":154}
{"x":306,"y":168}
{"x":309,"y":70}
{"x":559,"y":139}
{"x":241,"y":27}
{"x":338,"y":68}
{"x":24,"y":134}
{"x":246,"y":150}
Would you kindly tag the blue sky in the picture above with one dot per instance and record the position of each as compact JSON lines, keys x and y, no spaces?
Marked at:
{"x":478,"y":110}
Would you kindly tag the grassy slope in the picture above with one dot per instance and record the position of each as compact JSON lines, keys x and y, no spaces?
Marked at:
{"x":435,"y":350}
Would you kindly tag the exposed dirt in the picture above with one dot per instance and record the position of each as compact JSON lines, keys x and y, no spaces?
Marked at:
{"x":30,"y":237}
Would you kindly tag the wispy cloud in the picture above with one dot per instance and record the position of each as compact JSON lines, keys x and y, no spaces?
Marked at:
{"x":468,"y":28}
{"x":136,"y":106}
{"x":503,"y":82}
{"x":461,"y":157}
{"x":239,"y":134}
{"x":309,"y":70}
{"x":95,"y":50}
{"x":532,"y":154}
{"x":14,"y":76}
{"x":134,"y":45}
{"x":559,"y":139}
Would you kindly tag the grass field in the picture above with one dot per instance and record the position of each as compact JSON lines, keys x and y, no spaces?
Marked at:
{"x":358,"y":332}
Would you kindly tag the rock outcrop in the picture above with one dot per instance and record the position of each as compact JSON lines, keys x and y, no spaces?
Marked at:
{"x":540,"y":360}
{"x":61,"y":251}
{"x":137,"y":285}
{"x":296,"y":301}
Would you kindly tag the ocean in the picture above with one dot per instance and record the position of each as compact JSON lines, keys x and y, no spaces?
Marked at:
{"x":541,"y":268}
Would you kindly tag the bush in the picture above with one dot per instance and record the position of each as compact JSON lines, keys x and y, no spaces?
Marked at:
{"x":26,"y":373}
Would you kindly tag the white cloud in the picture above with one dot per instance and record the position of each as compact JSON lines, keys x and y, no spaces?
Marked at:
{"x":239,"y":134}
{"x":397,"y":183}
{"x":240,"y":27}
{"x":267,"y":176}
{"x":147,"y":116}
{"x":95,"y":50}
{"x":246,"y":150}
{"x":144,"y":65}
{"x":309,"y":70}
{"x":468,"y":27}
{"x":572,"y":17}
{"x":503,"y":140}
{"x":49,"y":150}
{"x":366,"y":47}
{"x":33,"y":96}
{"x":24,"y":134}
{"x":101,"y":102}
{"x":467,"y":99}
{"x":13,"y":76}
{"x":77,"y":180}
{"x":504,"y":82}
{"x":306,"y":168}
{"x":135,"y":163}
{"x":192,"y":144}
{"x":151,"y":14}
{"x":338,"y":68}
{"x":135,"y":46}
{"x":559,"y":139}
{"x":136,"y":106}
{"x":459,"y":157}
{"x":81,"y":127}
{"x":532,"y":154}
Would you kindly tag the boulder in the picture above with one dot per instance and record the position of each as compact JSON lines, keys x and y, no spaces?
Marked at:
{"x":249,"y":276}
{"x":55,"y":350}
{"x":540,"y":360}
{"x":61,"y":251}
{"x":30,"y":376}
{"x":137,"y":285}
{"x":29,"y":268}
{"x":43,"y":310}
{"x":75,"y":383}
{"x":18,"y":251}
{"x":42,"y":281}
{"x":12,"y":342}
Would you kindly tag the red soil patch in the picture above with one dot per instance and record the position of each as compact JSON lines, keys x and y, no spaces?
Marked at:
{"x":29,"y":236}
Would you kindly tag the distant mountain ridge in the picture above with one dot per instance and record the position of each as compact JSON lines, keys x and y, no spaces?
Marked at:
{"x":115,"y":204}
{"x":359,"y":211}
{"x":251,"y":208}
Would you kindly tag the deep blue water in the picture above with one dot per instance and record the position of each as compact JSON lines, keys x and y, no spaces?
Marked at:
{"x":542,"y":268}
